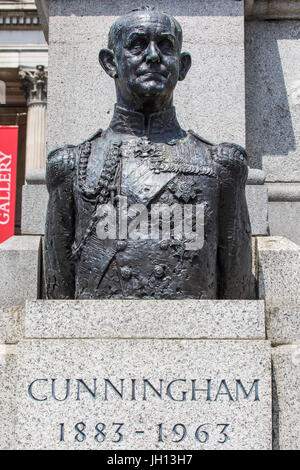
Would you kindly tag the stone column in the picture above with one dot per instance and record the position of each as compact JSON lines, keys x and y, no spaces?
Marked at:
{"x":34,"y":82}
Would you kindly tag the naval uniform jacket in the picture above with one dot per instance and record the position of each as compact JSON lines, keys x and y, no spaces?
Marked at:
{"x":149,"y":164}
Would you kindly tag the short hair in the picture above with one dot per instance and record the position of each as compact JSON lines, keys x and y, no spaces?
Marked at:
{"x":116,"y":28}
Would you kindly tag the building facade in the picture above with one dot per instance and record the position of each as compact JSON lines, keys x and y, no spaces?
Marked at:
{"x":23,"y":69}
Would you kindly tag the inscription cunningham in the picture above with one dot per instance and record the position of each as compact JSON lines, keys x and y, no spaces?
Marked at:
{"x":44,"y":389}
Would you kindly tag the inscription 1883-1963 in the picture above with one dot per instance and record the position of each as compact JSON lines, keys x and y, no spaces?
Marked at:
{"x":173,"y":395}
{"x":113,"y":431}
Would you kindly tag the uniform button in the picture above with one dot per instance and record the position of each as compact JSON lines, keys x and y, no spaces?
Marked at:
{"x":126,"y":273}
{"x":164,"y":245}
{"x":158,"y":272}
{"x":121,"y":245}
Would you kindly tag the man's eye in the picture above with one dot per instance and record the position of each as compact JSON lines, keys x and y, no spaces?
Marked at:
{"x":137,"y":46}
{"x":165,"y":45}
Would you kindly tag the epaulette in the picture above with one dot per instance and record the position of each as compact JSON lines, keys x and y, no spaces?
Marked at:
{"x":198,"y":137}
{"x":60,"y":162}
{"x":233,"y":157}
{"x":231,"y":151}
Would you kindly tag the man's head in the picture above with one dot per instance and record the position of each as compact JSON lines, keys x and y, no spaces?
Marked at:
{"x":144,"y":56}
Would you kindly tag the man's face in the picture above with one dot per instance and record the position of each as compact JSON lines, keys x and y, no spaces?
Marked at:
{"x":148,"y":56}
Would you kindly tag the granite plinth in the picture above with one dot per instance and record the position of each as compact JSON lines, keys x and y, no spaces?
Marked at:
{"x":278,"y":284}
{"x":8,"y":399}
{"x":135,"y":374}
{"x":144,"y":394}
{"x":20,"y":263}
{"x":226,"y":319}
{"x":286,"y":403}
{"x":283,"y":324}
{"x":279,"y":271}
{"x":20,"y":259}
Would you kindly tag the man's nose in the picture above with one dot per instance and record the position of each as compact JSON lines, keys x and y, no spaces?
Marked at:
{"x":152,"y":53}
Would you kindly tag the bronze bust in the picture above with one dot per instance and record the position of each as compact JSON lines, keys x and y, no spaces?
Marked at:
{"x":147,"y":159}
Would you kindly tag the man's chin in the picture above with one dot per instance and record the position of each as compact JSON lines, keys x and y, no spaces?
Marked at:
{"x":151,"y":88}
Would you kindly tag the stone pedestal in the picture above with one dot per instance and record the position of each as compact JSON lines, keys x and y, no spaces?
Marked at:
{"x":198,"y":362}
{"x":20,"y":279}
{"x":8,"y":399}
{"x":20,"y":262}
{"x":279,"y":274}
{"x":286,"y":402}
{"x":144,"y":375}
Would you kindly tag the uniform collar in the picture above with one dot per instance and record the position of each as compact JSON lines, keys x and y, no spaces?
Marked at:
{"x":161,"y":126}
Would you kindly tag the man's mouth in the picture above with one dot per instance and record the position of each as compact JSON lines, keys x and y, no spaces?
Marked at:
{"x":152,"y":73}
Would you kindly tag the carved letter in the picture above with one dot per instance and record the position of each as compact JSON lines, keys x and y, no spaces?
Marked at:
{"x":226,"y":392}
{"x":207,"y":390}
{"x":80,"y":381}
{"x":246,"y":395}
{"x":146,"y":382}
{"x":30,"y":390}
{"x":67,"y":390}
{"x":108,"y":382}
{"x":170,"y":394}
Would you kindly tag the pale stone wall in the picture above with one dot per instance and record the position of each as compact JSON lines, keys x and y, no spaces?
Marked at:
{"x":273,"y":98}
{"x":273,"y":116}
{"x":81,"y":96}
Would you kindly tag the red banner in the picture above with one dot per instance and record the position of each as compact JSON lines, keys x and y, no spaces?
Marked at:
{"x":8,"y":178}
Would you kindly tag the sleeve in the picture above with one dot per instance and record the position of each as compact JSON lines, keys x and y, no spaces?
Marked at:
{"x":60,"y":224}
{"x":234,"y":241}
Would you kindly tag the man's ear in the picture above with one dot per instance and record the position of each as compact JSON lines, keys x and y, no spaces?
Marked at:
{"x":185,"y":65}
{"x":107,"y":61}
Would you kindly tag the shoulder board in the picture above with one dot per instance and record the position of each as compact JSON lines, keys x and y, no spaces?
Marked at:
{"x":60,"y":163}
{"x":232,"y":157}
{"x":197,"y":136}
{"x":60,"y":150}
{"x":233,"y":150}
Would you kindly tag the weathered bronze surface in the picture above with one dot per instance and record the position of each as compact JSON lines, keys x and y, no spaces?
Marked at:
{"x":146,"y":156}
